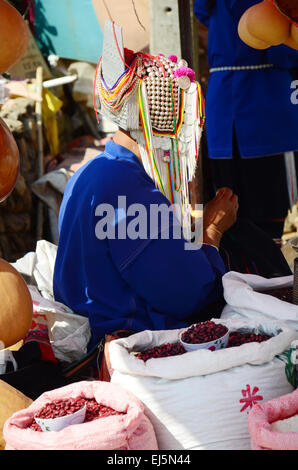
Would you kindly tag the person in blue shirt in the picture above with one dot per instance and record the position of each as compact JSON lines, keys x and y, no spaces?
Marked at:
{"x":251,"y":116}
{"x":124,"y":284}
{"x":117,"y":263}
{"x":134,"y":273}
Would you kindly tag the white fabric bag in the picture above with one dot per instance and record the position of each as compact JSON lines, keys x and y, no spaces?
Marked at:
{"x":69,"y":333}
{"x":200,"y":400}
{"x":244,"y":297}
{"x":37,"y":267}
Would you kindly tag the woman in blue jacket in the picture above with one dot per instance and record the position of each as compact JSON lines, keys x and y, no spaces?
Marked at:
{"x":251,"y":116}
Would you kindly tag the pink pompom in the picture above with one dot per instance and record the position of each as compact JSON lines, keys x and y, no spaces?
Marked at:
{"x":185,"y":71}
{"x":173,"y":58}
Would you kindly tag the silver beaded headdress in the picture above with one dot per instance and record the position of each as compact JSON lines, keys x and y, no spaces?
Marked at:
{"x":157,"y":100}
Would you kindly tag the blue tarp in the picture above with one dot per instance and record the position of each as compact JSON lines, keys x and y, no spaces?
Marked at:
{"x":69,"y":29}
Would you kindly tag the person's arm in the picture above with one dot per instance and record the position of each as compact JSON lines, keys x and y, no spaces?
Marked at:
{"x":178,"y":281}
{"x":170,"y":278}
{"x":174,"y":280}
{"x":219,"y":215}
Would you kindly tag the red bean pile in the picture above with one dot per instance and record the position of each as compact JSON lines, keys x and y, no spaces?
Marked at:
{"x":204,"y":332}
{"x":165,"y":350}
{"x":237,"y":339}
{"x":95,"y":410}
{"x":34,"y":426}
{"x":57,"y":408}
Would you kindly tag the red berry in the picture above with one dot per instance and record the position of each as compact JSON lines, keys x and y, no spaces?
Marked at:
{"x":237,"y":338}
{"x":204,"y":332}
{"x":165,"y":350}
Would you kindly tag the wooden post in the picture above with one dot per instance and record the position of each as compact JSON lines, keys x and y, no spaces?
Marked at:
{"x":164,"y":27}
{"x":188,"y":34}
{"x":190,"y":52}
{"x":174,"y":30}
{"x":38,"y":112}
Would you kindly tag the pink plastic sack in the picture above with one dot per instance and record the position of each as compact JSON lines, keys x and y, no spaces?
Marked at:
{"x":260,"y":421}
{"x":131,"y":431}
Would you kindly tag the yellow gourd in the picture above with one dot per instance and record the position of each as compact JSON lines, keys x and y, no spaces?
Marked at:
{"x":294,"y":35}
{"x":9,"y":161}
{"x":16,"y":308}
{"x":292,"y":44}
{"x":267,"y":24}
{"x":247,"y":38}
{"x":14,"y":36}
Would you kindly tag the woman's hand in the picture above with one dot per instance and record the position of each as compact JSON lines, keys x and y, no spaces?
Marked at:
{"x":219,"y":215}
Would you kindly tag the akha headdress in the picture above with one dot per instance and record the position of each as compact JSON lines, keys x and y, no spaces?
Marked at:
{"x":158,"y":100}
